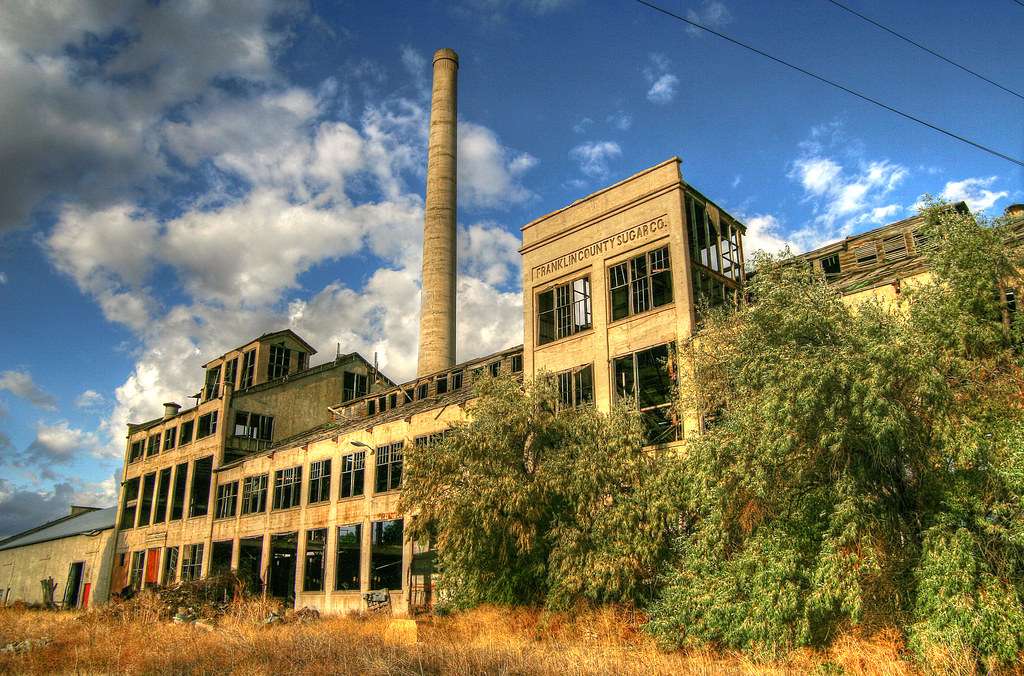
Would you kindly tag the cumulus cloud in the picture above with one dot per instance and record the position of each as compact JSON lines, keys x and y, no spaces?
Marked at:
{"x":23,"y":508}
{"x":20,"y":384}
{"x":975,"y":192}
{"x":662,"y":83}
{"x":765,"y":233}
{"x":711,"y":13}
{"x":593,"y":157}
{"x":59,"y":443}
{"x":489,"y":173}
{"x":489,"y":253}
{"x":620,"y":120}
{"x":90,"y":400}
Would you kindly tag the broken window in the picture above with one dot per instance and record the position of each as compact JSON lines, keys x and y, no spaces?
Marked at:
{"x":248,"y":369}
{"x":212,"y":389}
{"x":320,"y":481}
{"x":647,"y":378}
{"x":894,"y":247}
{"x":301,"y":361}
{"x":348,"y":557}
{"x":371,"y":407}
{"x":288,"y":487}
{"x":422,"y":390}
{"x":254,"y":494}
{"x":313,"y":571}
{"x":135,"y":577}
{"x":386,"y":555}
{"x":922,"y":242}
{"x":185,"y":437}
{"x":192,"y":562}
{"x":353,"y":386}
{"x":353,"y":467}
{"x":408,"y":392}
{"x":382,"y":403}
{"x":207,"y":425}
{"x":136,"y":450}
{"x":867,"y":254}
{"x":130,"y":500}
{"x":456,"y":380}
{"x":170,"y":565}
{"x":830,"y":265}
{"x":389,"y":467}
{"x":254,"y":425}
{"x":441,"y":384}
{"x":431,"y":439}
{"x":163,"y":490}
{"x":170,"y":436}
{"x":563,"y":310}
{"x":280,"y":358}
{"x":146,"y":504}
{"x":202,"y":478}
{"x":220,"y":556}
{"x":178,"y":497}
{"x":517,"y":363}
{"x":576,"y":386}
{"x":640,"y":283}
{"x":393,"y":400}
{"x":494,"y":368}
{"x":231,"y":372}
{"x":227,"y":500}
{"x":153,"y":446}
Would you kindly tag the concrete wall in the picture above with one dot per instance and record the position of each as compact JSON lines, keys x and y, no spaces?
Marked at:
{"x":22,"y":568}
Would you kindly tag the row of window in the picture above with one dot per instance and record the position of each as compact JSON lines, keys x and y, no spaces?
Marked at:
{"x":636,"y":285}
{"x":386,"y":540}
{"x":159,"y":497}
{"x":442,"y":384}
{"x":173,"y":437}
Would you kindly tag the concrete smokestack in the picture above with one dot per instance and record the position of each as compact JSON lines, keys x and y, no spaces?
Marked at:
{"x":437,"y":297}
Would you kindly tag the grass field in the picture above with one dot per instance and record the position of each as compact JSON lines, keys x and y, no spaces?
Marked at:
{"x":134,"y":639}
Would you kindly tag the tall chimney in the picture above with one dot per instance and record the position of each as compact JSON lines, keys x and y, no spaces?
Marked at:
{"x":437,"y":297}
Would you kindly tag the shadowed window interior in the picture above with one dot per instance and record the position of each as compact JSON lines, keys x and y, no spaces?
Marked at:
{"x":313,"y":570}
{"x":386,"y":555}
{"x":348,"y":557}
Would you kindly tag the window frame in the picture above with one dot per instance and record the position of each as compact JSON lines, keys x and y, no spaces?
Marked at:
{"x":226,"y":502}
{"x":353,"y":466}
{"x":211,"y":420}
{"x":567,"y":311}
{"x":573,"y":380}
{"x":388,"y":453}
{"x":320,"y":546}
{"x":254,"y":488}
{"x":287,"y":482}
{"x":319,"y":481}
{"x":356,"y":530}
{"x":631,"y":282}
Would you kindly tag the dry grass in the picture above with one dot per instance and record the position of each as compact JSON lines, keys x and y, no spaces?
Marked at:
{"x":484,"y":641}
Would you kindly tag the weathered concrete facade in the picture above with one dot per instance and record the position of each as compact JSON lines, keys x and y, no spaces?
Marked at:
{"x":76,"y":551}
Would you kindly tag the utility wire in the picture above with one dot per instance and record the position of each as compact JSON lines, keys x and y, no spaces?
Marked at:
{"x":930,"y":51}
{"x":1019,"y":2}
{"x":833,"y":83}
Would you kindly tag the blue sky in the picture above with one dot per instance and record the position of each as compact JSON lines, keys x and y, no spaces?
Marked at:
{"x":180,"y":177}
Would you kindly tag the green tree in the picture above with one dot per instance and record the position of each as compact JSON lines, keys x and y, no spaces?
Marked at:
{"x":526,"y":504}
{"x":859,"y":455}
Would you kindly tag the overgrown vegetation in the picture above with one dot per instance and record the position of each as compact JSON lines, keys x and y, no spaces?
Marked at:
{"x":865,"y":469}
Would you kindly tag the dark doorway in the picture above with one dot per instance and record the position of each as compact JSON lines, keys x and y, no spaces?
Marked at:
{"x":220,"y":557}
{"x":284,"y":550}
{"x":74,"y":583}
{"x":250,"y":563}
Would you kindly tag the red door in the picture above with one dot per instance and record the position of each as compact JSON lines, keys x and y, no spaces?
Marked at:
{"x":152,"y":565}
{"x":85,"y":594}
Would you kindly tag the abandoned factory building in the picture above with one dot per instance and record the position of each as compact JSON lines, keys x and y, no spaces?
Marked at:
{"x":290,"y":475}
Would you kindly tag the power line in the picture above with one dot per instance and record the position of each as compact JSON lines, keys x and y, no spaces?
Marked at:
{"x":930,"y":51}
{"x":835,"y":84}
{"x":1019,"y":2}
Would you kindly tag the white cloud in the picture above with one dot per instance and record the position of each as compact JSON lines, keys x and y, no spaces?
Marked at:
{"x":90,"y":400}
{"x":488,"y":171}
{"x":712,"y":13}
{"x":764,"y":233}
{"x":489,"y":253}
{"x":662,"y":83}
{"x":593,"y":157}
{"x":620,"y":120}
{"x":582,"y":126}
{"x":20,"y":384}
{"x":975,"y":192}
{"x":3,"y":277}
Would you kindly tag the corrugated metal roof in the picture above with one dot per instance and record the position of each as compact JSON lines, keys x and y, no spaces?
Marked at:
{"x":100,"y":519}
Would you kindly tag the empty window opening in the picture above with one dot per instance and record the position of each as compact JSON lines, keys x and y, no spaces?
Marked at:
{"x":320,"y":481}
{"x":647,"y":378}
{"x":231,"y":372}
{"x":220,"y":557}
{"x":254,"y":426}
{"x":136,"y":451}
{"x":185,"y":436}
{"x":301,"y":361}
{"x":640,"y":284}
{"x":576,"y":386}
{"x":130,"y":502}
{"x":280,"y":358}
{"x":517,"y":363}
{"x":830,"y":265}
{"x":563,"y":310}
{"x":313,"y":570}
{"x":202,"y":479}
{"x":353,"y":469}
{"x":494,"y":368}
{"x":288,"y":487}
{"x":138,"y":563}
{"x":192,"y":562}
{"x":248,"y":369}
{"x":178,"y":496}
{"x":422,"y":390}
{"x":456,"y":380}
{"x":153,"y":446}
{"x":348,"y":558}
{"x":389,"y":467}
{"x":207,"y":425}
{"x":283,"y":559}
{"x":170,"y":565}
{"x":212,"y":388}
{"x":170,"y":436}
{"x":386,"y":555}
{"x":163,"y":496}
{"x":146,"y":504}
{"x":353,"y":386}
{"x":254,"y":494}
{"x":250,"y":563}
{"x":227,"y":500}
{"x":441,"y":384}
